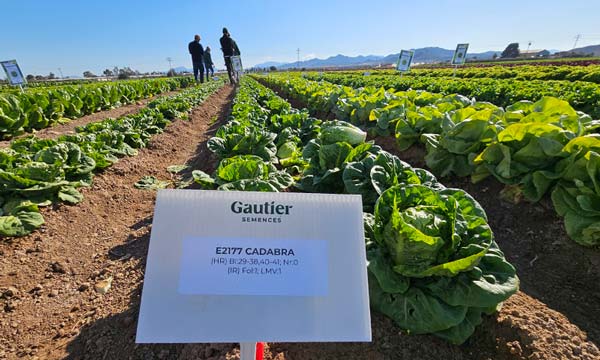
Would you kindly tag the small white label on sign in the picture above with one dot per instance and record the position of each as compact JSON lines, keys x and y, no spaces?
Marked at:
{"x":246,"y":266}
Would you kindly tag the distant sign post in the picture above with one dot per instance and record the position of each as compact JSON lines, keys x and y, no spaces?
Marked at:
{"x":404,"y":60}
{"x":460,"y":56}
{"x":228,"y":266}
{"x":13,"y":73}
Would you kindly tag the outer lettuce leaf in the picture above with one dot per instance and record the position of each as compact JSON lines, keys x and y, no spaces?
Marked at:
{"x":415,"y":310}
{"x":19,"y":218}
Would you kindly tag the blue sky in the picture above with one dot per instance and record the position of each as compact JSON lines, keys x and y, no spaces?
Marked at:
{"x":84,"y":35}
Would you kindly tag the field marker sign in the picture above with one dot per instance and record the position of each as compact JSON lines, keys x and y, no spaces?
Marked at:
{"x":460,"y":54}
{"x":404,"y":60}
{"x":226,"y":266}
{"x":13,"y":72}
{"x":236,"y":63}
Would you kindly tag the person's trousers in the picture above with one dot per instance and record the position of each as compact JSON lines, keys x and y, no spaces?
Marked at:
{"x":229,"y":68}
{"x":198,"y":68}
{"x":210,"y":69}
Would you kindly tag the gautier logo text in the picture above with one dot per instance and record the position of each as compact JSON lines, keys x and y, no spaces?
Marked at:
{"x":266,"y":208}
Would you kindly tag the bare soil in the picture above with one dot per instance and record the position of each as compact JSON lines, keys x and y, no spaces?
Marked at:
{"x":57,"y":130}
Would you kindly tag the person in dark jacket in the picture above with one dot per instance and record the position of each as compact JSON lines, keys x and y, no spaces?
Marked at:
{"x":229,"y":48}
{"x":197,"y":52}
{"x":208,"y":63}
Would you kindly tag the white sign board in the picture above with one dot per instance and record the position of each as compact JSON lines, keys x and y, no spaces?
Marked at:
{"x":236,"y":63}
{"x":460,"y":54}
{"x":13,"y":72}
{"x":404,"y":60}
{"x":248,"y":266}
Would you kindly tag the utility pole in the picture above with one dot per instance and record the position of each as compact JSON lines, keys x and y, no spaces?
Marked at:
{"x":61,"y":74}
{"x":298,"y":63}
{"x":576,"y":40}
{"x":169,"y":59}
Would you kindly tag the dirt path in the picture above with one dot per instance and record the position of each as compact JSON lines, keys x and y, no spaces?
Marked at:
{"x":53,"y":309}
{"x":69,"y":128}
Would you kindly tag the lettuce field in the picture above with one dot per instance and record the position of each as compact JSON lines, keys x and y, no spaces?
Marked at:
{"x":480,"y":190}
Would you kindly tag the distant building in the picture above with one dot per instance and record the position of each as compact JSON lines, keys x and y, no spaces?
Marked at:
{"x":534,"y":53}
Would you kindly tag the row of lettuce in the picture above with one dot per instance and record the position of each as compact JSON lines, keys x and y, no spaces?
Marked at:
{"x":590,"y":73}
{"x":533,"y":148}
{"x":576,"y":61}
{"x":38,"y":172}
{"x":39,"y":108}
{"x":433,"y":264}
{"x":6,"y":87}
{"x":583,"y":96}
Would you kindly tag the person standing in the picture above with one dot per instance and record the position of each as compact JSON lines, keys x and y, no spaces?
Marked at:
{"x":208,"y":63}
{"x":197,"y":53}
{"x":229,"y":48}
